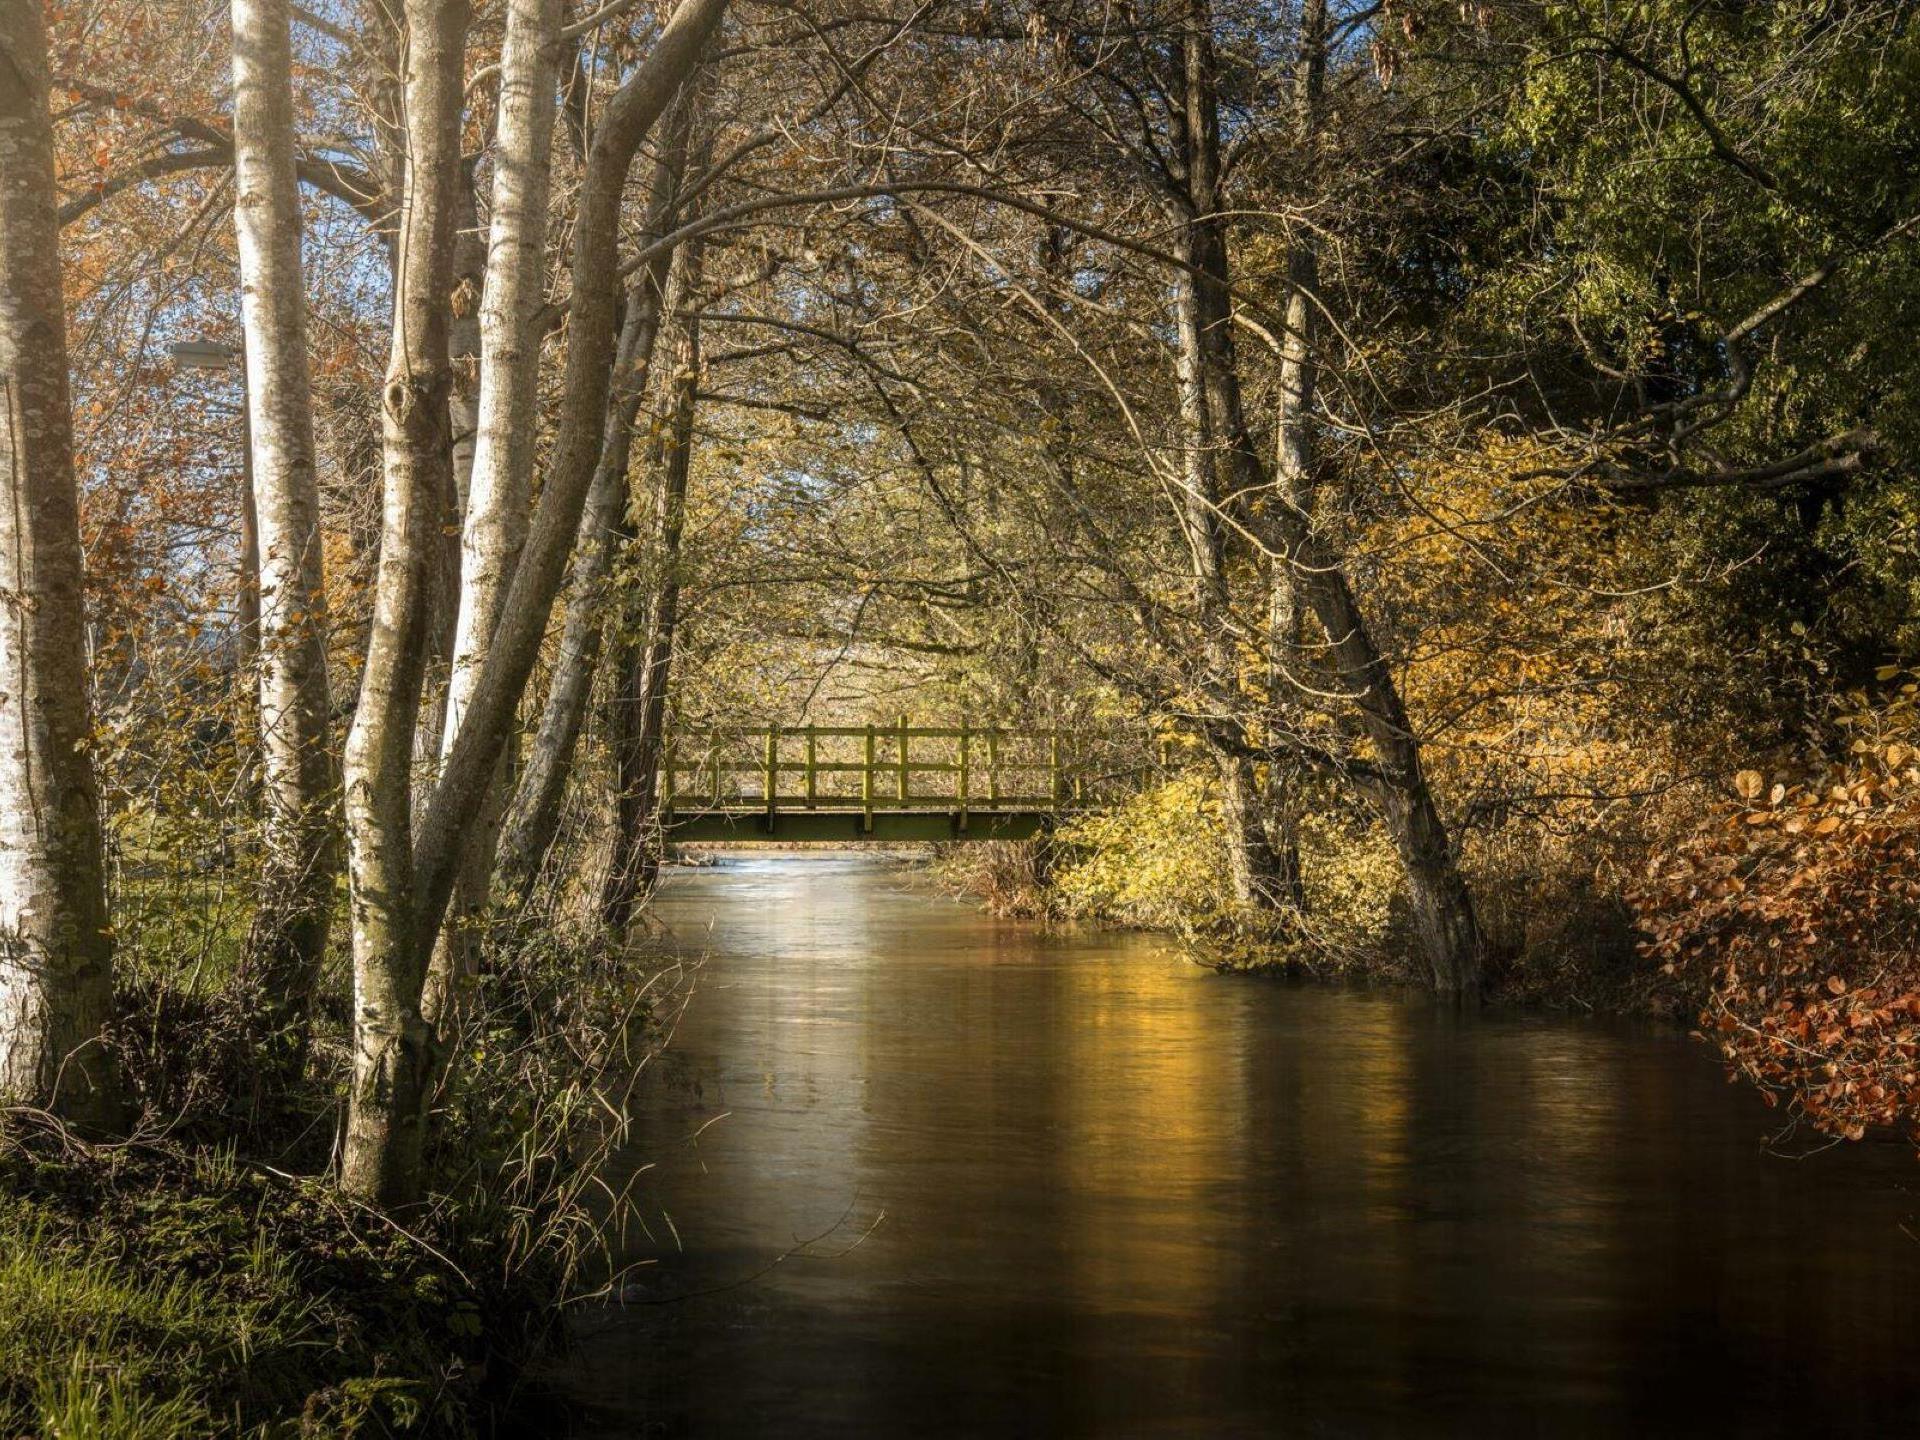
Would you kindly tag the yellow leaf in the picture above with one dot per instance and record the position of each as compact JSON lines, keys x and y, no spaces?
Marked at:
{"x":1747,"y":784}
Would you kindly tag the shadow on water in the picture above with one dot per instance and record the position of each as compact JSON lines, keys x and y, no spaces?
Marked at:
{"x":929,"y":1173}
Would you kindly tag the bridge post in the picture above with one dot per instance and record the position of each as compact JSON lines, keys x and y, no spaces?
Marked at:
{"x":1053,"y":764}
{"x":811,"y":736}
{"x":993,"y":768}
{"x":903,"y":761}
{"x":772,"y":780}
{"x":866,"y":786}
{"x":714,"y":760}
{"x":963,"y":775}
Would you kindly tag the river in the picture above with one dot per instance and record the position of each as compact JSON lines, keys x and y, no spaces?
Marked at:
{"x":915,"y":1171}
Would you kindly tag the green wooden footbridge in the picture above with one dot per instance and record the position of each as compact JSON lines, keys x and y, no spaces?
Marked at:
{"x":869,"y":783}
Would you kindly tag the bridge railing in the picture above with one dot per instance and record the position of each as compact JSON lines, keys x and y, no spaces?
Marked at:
{"x":871,"y":768}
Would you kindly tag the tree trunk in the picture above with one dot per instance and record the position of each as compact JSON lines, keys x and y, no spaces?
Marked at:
{"x":1299,"y":356}
{"x":499,"y":492}
{"x":402,"y":882}
{"x":1443,"y":908}
{"x":383,"y":24}
{"x":1263,"y":860}
{"x":463,"y":411}
{"x":645,"y":668}
{"x":498,"y":495}
{"x":1254,"y":868}
{"x":56,"y":950}
{"x":623,"y":124}
{"x":392,"y":1054}
{"x":1293,"y":469}
{"x":534,"y":814}
{"x":288,"y":940}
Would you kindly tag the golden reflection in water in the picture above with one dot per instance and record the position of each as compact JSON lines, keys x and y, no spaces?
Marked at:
{"x":1152,"y":1124}
{"x":1126,"y":1197}
{"x":1365,"y":1111}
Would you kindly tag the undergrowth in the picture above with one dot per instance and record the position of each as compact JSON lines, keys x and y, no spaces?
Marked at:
{"x":156,"y":1290}
{"x":1559,"y":932}
{"x":204,"y":1277}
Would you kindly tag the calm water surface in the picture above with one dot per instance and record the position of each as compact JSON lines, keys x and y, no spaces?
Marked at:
{"x":1071,"y":1185}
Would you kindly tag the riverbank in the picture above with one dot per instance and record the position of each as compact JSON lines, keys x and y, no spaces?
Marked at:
{"x":1586,"y":960}
{"x":153,"y":1289}
{"x":204,"y":1276}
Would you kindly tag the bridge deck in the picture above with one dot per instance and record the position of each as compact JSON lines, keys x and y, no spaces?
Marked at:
{"x":867,"y":783}
{"x":798,"y":827}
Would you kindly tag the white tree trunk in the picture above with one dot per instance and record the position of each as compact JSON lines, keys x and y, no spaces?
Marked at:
{"x":462,"y":791}
{"x":289,"y":936}
{"x":463,"y":409}
{"x":56,"y":981}
{"x":401,"y":885}
{"x":532,"y":817}
{"x":500,"y":484}
{"x":498,"y":494}
{"x":392,"y":1059}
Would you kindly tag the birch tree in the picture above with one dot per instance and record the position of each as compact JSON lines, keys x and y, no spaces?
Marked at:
{"x":500,"y":482}
{"x":56,"y":950}
{"x":402,"y":881}
{"x":392,"y":1060}
{"x":591,"y":315}
{"x":289,"y":935}
{"x":497,"y":500}
{"x":534,"y":812}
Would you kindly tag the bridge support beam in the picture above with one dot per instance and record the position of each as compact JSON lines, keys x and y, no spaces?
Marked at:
{"x":800,"y":827}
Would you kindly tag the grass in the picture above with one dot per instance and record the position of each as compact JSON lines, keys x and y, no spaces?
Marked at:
{"x":148,"y":1290}
{"x":90,"y":1348}
{"x":205,"y":1278}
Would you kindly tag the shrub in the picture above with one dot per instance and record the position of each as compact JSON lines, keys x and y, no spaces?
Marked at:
{"x":1352,"y":879}
{"x":1012,"y":878}
{"x":1152,"y":860}
{"x":1157,"y":860}
{"x":1798,"y":909}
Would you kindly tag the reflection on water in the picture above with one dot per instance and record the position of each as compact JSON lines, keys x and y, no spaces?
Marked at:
{"x":1098,"y":1191}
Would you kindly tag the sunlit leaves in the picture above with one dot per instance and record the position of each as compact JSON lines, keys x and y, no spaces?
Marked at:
{"x":1800,"y":913}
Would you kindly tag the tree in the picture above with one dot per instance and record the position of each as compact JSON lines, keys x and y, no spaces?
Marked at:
{"x":649,"y":625}
{"x":289,"y":934}
{"x":393,"y":1061}
{"x":403,"y":879}
{"x":56,"y":947}
{"x":533,"y":814}
{"x":498,"y":493}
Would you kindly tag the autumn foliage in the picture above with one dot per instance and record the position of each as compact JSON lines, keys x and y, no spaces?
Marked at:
{"x":1798,"y":910}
